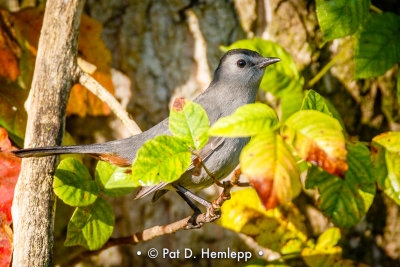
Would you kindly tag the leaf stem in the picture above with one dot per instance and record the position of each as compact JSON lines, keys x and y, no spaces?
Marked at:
{"x":376,"y":9}
{"x":327,"y":67}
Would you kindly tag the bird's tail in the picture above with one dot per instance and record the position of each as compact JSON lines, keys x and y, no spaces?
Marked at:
{"x":53,"y":150}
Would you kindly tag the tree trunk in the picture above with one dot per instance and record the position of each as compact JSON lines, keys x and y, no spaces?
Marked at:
{"x":34,"y":203}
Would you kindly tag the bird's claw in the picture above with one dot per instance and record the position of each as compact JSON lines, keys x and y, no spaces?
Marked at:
{"x":212,"y":214}
{"x":192,"y":224}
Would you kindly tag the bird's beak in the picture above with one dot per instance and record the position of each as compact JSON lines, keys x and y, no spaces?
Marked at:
{"x":268,"y":61}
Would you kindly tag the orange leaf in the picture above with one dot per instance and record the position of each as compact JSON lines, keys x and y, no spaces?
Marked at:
{"x":8,"y":56}
{"x":91,"y":48}
{"x":317,"y":138}
{"x":271,"y":169}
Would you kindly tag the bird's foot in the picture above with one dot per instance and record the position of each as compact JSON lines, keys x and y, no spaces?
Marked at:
{"x":212,"y":214}
{"x":192,"y":222}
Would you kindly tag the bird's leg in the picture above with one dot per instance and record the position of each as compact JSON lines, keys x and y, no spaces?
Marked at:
{"x":191,"y":224}
{"x":212,"y":214}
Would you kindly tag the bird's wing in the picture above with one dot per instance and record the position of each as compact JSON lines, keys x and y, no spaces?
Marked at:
{"x":212,"y":144}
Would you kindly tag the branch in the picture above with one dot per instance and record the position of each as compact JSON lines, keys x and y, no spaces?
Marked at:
{"x":34,"y":202}
{"x":97,"y":89}
{"x":158,"y":230}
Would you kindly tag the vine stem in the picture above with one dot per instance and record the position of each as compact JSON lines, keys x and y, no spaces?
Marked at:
{"x":327,"y":67}
{"x":376,"y":9}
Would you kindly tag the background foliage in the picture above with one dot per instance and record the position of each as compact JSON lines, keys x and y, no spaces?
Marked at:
{"x":333,"y":192}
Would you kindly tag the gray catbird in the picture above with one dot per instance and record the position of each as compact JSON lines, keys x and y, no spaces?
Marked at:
{"x":236,"y":81}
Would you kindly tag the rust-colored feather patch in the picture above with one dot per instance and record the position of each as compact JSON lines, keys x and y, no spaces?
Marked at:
{"x":113,"y":159}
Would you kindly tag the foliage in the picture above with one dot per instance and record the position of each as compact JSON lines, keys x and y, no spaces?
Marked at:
{"x":10,"y":167}
{"x":346,"y":200}
{"x":268,"y":160}
{"x":377,"y":47}
{"x":162,"y":159}
{"x":304,"y":135}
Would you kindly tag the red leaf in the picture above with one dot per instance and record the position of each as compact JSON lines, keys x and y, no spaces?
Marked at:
{"x":5,"y":245}
{"x":10,"y":166}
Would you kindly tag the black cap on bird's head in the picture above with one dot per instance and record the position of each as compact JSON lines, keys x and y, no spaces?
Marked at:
{"x":243,"y":67}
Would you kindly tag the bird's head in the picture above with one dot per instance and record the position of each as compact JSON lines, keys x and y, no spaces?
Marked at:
{"x":242,"y":68}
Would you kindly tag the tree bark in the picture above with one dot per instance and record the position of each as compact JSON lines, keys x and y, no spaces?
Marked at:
{"x":34,"y":203}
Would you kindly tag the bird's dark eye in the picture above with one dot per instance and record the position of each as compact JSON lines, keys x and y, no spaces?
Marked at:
{"x":241,"y":63}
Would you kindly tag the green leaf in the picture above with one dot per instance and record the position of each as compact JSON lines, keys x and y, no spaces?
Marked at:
{"x":189,"y":122}
{"x":281,"y":229}
{"x":317,"y":138}
{"x":162,"y":159}
{"x":91,"y":226}
{"x":378,"y":47}
{"x":249,"y":120}
{"x":114,"y":181}
{"x":387,"y":163}
{"x":346,"y":200}
{"x":73,"y":183}
{"x":271,"y":169}
{"x":314,"y":101}
{"x":339,"y":18}
{"x":290,"y":104}
{"x":279,"y":79}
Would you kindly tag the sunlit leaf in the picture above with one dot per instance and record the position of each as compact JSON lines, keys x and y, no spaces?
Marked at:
{"x":329,"y":238}
{"x":314,"y":101}
{"x":271,"y":169}
{"x":73,"y":183}
{"x":317,"y":138}
{"x":386,"y":158}
{"x":339,"y":18}
{"x":279,"y":79}
{"x":249,"y":120}
{"x":189,"y":122}
{"x":326,"y":254}
{"x":162,"y":159}
{"x":114,"y":181}
{"x":290,"y":104}
{"x":346,"y":200}
{"x":378,"y":47}
{"x":280,"y":229}
{"x":91,"y":226}
{"x":10,"y":167}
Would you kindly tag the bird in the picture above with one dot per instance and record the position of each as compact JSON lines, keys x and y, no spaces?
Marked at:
{"x":235,"y":84}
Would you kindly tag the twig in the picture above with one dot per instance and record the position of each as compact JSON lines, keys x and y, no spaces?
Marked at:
{"x":96,"y":88}
{"x":158,"y":230}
